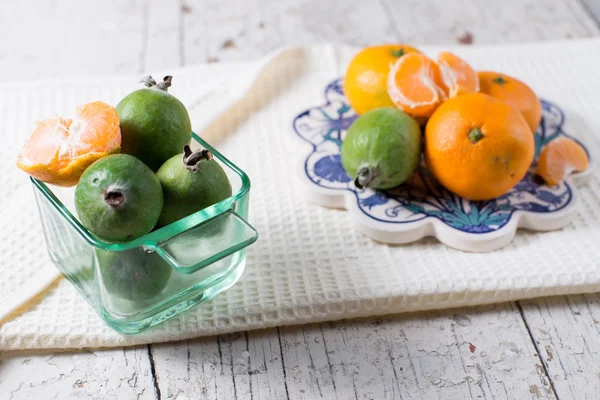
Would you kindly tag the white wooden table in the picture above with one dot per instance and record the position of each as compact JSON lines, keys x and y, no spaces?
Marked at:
{"x":540,"y":349}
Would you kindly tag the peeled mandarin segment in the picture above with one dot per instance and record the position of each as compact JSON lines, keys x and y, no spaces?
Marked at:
{"x":559,"y":159}
{"x":42,"y":146}
{"x":60,"y":149}
{"x":103,"y":131}
{"x":94,"y":129}
{"x":457,"y":77}
{"x":365,"y":81}
{"x":412,"y":85}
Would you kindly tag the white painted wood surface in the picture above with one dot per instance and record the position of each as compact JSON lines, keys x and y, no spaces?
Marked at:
{"x":110,"y":374}
{"x":483,"y":352}
{"x":452,"y":354}
{"x":567,"y":333}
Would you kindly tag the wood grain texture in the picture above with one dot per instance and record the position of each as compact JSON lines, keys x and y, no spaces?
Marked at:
{"x":225,"y":367}
{"x":482,"y":21}
{"x":567,"y":333}
{"x":66,"y":39}
{"x":457,"y":354}
{"x":255,"y":27}
{"x":593,"y":9}
{"x":161,"y":31}
{"x":113,"y":37}
{"x":258,"y":26}
{"x":110,"y":374}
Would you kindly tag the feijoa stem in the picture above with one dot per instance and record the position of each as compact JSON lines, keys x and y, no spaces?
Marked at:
{"x":164,"y":85}
{"x":114,"y":198}
{"x":191,"y":159}
{"x":475,"y":135}
{"x":148,"y":81}
{"x":364,"y":176}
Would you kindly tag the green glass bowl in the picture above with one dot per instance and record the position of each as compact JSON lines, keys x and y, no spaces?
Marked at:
{"x":138,"y":284}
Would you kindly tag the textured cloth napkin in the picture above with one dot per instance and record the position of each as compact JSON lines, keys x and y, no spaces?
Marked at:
{"x":309,"y":264}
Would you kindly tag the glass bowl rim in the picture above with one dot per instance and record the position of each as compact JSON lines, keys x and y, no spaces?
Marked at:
{"x":152,"y":239}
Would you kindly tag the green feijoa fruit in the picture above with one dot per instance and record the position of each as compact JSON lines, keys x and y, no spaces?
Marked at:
{"x":118,"y":198}
{"x":155,"y":125}
{"x":191,"y":181}
{"x":133,"y":274}
{"x":382,"y":148}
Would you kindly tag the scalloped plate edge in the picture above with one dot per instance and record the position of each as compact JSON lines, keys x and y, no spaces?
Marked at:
{"x":432,"y":227}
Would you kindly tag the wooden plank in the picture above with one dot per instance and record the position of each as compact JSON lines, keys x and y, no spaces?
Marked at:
{"x":265,"y":365}
{"x":593,"y":9}
{"x":482,"y":352}
{"x":106,"y":38}
{"x":110,"y":374}
{"x":236,"y":366}
{"x":162,"y":30}
{"x":247,"y":29}
{"x":67,"y":39}
{"x":214,"y":32}
{"x":566,"y":330}
{"x":162,"y":34}
{"x":480,"y":21}
{"x":451,"y":354}
{"x":307,"y":366}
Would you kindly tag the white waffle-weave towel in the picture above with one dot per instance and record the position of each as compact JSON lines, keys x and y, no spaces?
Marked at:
{"x":308,"y":264}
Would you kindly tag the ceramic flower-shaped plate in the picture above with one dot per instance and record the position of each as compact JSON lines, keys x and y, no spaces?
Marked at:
{"x":422,"y":207}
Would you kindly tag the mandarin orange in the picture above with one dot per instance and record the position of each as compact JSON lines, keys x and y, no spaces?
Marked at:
{"x":365,"y":82}
{"x":478,"y":146}
{"x":60,"y":149}
{"x":414,"y":85}
{"x":514,"y":92}
{"x":457,"y":77}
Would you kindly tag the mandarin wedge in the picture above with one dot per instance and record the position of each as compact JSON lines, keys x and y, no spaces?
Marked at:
{"x":559,"y":159}
{"x":457,"y":77}
{"x":365,"y":81}
{"x":60,"y":149}
{"x":413,"y":85}
{"x":515,"y":93}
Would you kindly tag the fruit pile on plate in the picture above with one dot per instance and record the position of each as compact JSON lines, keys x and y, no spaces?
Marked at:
{"x":134,"y":171}
{"x":473,"y":130}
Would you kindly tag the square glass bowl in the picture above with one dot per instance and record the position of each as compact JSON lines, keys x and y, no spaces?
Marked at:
{"x":137,"y":284}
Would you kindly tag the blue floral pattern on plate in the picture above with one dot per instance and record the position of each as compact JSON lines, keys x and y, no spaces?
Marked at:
{"x":423,"y":197}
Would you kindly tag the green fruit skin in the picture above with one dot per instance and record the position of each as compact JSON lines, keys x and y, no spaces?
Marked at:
{"x":133,"y":274}
{"x":154,"y":126}
{"x":186,"y":192}
{"x":140,"y":187}
{"x":386,"y":139}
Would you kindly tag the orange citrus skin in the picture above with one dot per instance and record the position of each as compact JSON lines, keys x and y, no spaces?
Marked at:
{"x":513,"y":92}
{"x":60,"y":149}
{"x":365,"y":82}
{"x":559,"y":158}
{"x":457,"y":77}
{"x":478,"y":146}
{"x":69,"y":175}
{"x":414,"y":85}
